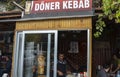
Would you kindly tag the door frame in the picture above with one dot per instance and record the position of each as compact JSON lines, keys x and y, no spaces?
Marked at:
{"x":16,"y":49}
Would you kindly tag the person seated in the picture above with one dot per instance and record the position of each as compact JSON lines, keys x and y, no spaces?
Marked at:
{"x":115,"y":65}
{"x":7,"y":69}
{"x":103,"y":72}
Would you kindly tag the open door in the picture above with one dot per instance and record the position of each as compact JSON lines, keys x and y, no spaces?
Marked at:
{"x":35,"y":54}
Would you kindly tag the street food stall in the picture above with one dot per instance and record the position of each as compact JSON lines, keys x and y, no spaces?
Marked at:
{"x":49,"y":27}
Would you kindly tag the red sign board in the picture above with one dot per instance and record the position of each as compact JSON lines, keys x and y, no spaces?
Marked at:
{"x":39,"y":6}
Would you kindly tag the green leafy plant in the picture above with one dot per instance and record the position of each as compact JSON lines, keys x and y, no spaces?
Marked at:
{"x":10,"y":5}
{"x":111,"y":10}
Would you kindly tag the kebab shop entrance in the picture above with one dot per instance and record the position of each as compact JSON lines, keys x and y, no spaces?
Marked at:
{"x":38,"y":52}
{"x":43,"y":33}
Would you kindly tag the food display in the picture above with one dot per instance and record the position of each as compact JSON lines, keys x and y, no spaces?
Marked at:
{"x":41,"y":64}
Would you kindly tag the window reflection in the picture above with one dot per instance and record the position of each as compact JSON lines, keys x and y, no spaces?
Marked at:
{"x":35,"y":55}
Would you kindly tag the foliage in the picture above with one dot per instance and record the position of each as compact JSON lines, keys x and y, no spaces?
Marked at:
{"x":10,"y":5}
{"x":96,"y":3}
{"x":111,"y":10}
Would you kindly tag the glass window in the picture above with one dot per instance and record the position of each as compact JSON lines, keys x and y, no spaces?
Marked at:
{"x":36,"y":53}
{"x":38,"y":49}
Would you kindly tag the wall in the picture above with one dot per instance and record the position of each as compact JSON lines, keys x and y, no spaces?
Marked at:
{"x":60,"y":24}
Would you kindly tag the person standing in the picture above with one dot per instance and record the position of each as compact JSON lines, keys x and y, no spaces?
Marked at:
{"x":103,"y":72}
{"x":61,"y":66}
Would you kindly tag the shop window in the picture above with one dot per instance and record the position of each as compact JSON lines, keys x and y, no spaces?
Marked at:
{"x":37,"y":52}
{"x":73,"y":44}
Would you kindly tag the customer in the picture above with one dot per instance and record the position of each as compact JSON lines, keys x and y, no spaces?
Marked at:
{"x":8,"y":66}
{"x":103,"y":71}
{"x":116,"y":64}
{"x":61,"y":66}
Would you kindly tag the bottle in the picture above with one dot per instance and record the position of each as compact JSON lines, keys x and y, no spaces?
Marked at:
{"x":78,"y":74}
{"x":81,"y":74}
{"x":118,"y":74}
{"x":85,"y":74}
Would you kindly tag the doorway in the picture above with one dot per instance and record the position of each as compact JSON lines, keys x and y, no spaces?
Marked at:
{"x":35,"y":50}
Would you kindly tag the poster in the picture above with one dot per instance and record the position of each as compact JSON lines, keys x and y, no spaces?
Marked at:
{"x":73,"y":47}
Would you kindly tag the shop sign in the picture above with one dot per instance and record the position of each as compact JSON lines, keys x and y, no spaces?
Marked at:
{"x":58,"y":6}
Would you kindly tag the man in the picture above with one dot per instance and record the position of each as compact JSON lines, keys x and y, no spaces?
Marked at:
{"x":61,"y":66}
{"x":8,"y":66}
{"x":103,"y":71}
{"x":115,"y":66}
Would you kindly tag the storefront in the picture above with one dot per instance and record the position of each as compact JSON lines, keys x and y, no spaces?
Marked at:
{"x":50,"y":28}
